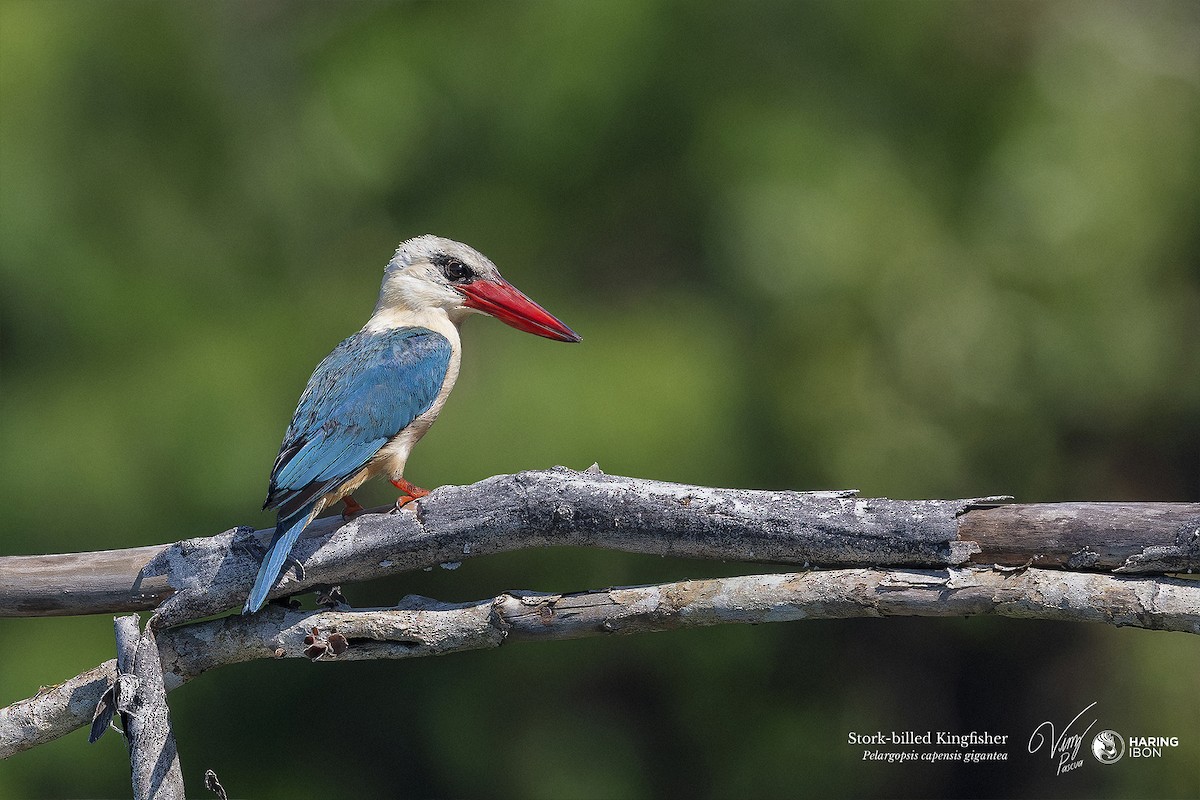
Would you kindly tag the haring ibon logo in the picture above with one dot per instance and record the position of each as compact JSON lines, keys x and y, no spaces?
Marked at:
{"x":1108,"y":747}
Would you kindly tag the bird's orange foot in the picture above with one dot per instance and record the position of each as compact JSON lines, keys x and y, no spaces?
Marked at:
{"x":351,"y":508}
{"x":411,"y":492}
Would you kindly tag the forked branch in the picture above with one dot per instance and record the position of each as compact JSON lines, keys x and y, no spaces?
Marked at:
{"x":1101,"y":562}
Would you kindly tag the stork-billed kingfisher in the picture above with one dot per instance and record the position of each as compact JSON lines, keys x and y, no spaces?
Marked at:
{"x":378,"y":392}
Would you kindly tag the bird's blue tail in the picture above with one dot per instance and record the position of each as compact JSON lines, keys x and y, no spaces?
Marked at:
{"x":286,"y":532}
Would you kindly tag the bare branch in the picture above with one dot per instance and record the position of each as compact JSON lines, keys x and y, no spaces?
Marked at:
{"x":422,"y":627}
{"x":1127,"y":538}
{"x":590,"y":509}
{"x":64,"y":584}
{"x":141,"y":699}
{"x":55,"y":710}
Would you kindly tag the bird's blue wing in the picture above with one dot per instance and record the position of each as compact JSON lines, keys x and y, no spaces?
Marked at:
{"x":371,"y":387}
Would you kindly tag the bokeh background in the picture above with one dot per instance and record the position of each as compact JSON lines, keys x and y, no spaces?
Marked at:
{"x":922,"y":249}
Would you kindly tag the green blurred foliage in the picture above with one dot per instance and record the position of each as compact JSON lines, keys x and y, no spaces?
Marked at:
{"x":923,"y":249}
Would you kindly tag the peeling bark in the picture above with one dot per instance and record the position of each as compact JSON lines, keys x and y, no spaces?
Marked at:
{"x":1119,"y":537}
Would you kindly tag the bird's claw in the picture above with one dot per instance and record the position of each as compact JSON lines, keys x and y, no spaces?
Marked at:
{"x":292,"y":562}
{"x":351,"y":508}
{"x":411,"y":492}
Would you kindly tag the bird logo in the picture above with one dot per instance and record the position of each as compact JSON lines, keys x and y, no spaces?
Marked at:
{"x":1108,"y":747}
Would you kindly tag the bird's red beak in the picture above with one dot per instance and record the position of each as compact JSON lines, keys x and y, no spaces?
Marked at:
{"x":508,"y":304}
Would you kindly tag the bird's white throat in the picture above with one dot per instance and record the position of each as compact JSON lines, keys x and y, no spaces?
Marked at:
{"x":438,"y":320}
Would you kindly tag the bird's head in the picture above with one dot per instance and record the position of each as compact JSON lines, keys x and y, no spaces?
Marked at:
{"x":430,"y":272}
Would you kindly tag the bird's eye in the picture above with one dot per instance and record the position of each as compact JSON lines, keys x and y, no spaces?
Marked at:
{"x":457,"y":271}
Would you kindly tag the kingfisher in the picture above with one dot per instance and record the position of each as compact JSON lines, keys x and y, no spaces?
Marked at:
{"x":378,"y":392}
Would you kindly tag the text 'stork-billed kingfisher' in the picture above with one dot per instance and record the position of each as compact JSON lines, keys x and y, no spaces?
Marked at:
{"x":377,"y":393}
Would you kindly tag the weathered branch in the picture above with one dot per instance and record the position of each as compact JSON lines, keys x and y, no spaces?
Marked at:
{"x":422,"y":627}
{"x":64,"y":584}
{"x":55,"y":710}
{"x":141,"y":699}
{"x":204,"y":576}
{"x":1126,"y":538}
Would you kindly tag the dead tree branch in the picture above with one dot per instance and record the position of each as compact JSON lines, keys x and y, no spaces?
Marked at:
{"x":892,"y":557}
{"x":422,"y":627}
{"x":204,"y":576}
{"x":141,"y":699}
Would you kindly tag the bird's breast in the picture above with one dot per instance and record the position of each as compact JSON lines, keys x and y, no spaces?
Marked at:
{"x":391,"y":458}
